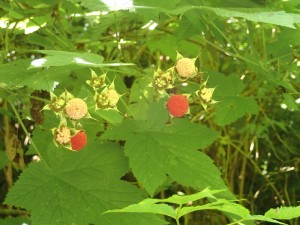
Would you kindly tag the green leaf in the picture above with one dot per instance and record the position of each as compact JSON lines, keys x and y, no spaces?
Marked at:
{"x":233,"y":108}
{"x":140,"y":90}
{"x":156,"y":206}
{"x":190,"y":25}
{"x":284,"y":213}
{"x":37,"y":39}
{"x":151,"y":9}
{"x":165,"y":45}
{"x":130,"y":218}
{"x":280,"y":18}
{"x":139,"y":110}
{"x":148,"y":206}
{"x":15,"y":72}
{"x":183,"y":199}
{"x":230,"y":85}
{"x":40,"y":3}
{"x":290,"y":101}
{"x":221,"y":205}
{"x":74,"y":187}
{"x":261,"y":218}
{"x":156,"y":149}
{"x":155,"y":4}
{"x":62,"y":58}
{"x":47,"y":79}
{"x":14,"y":12}
{"x":92,"y":5}
{"x":233,"y":208}
{"x":111,"y":116}
{"x":40,"y":139}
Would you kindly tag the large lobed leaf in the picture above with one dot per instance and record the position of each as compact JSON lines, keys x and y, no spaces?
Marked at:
{"x":233,"y":108}
{"x":231,"y":105}
{"x":75,"y":187}
{"x":156,"y":149}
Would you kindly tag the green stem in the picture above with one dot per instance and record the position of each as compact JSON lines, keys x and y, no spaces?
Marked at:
{"x":40,"y":99}
{"x":243,"y":172}
{"x":177,"y":214}
{"x":225,"y":37}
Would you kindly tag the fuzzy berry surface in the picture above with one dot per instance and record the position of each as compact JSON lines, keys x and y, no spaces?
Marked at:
{"x":78,"y":141}
{"x":76,"y":108}
{"x":178,"y":105}
{"x":185,"y":67}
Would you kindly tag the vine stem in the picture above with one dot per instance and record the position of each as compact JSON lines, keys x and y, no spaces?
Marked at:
{"x":243,"y":172}
{"x":28,"y":135}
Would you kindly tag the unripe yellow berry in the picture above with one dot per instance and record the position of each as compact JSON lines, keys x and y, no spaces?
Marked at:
{"x":76,"y":108}
{"x":185,"y":68}
{"x":62,"y":135}
{"x":206,"y":94}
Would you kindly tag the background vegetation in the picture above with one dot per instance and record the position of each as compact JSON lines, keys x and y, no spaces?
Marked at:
{"x":248,"y":50}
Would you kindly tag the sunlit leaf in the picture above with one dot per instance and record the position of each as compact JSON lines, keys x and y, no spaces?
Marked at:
{"x":62,"y":58}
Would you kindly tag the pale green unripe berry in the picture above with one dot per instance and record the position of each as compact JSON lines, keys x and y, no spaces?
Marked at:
{"x":76,"y":108}
{"x":185,"y":67}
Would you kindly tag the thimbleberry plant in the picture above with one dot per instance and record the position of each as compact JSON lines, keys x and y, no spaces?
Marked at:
{"x":149,"y":112}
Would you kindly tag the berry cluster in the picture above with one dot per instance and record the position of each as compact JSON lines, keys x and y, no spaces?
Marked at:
{"x":106,"y":97}
{"x":184,"y":69}
{"x":163,"y":80}
{"x":70,"y":138}
{"x":69,"y":109}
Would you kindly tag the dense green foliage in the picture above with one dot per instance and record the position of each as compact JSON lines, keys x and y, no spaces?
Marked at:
{"x":233,"y":158}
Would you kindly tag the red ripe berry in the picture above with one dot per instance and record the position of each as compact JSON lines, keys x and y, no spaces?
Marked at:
{"x":78,"y":141}
{"x":178,"y":105}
